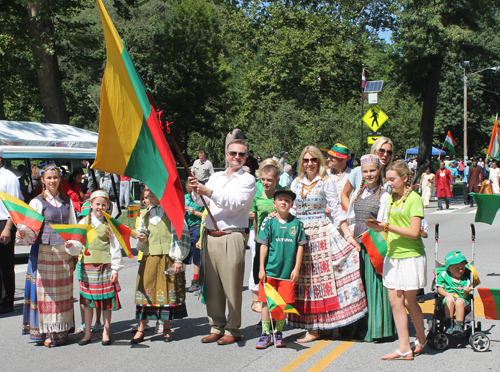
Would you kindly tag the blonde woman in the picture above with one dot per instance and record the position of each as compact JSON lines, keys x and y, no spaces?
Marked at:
{"x":383,"y":148}
{"x":330,"y":263}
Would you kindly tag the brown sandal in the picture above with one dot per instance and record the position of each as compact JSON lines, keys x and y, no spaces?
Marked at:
{"x":167,"y":332}
{"x":256,"y":306}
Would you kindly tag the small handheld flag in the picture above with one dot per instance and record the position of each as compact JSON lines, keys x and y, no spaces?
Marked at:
{"x":493,"y":149}
{"x":21,"y":213}
{"x":122,"y":233}
{"x":277,"y":306}
{"x":449,"y":142}
{"x":490,"y":298}
{"x":376,"y":247}
{"x":73,"y":232}
{"x":133,"y":211}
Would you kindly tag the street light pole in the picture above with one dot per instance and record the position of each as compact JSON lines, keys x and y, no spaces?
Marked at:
{"x":465,"y":113}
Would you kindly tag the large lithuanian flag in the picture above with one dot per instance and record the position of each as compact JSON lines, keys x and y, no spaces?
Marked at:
{"x":131,"y":141}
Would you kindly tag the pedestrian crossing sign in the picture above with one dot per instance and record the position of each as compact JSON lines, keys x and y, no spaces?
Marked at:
{"x":375,"y":118}
{"x":372,"y":139}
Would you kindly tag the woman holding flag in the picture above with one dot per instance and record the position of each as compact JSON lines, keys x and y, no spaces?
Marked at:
{"x":99,"y":267}
{"x":369,"y":202}
{"x":48,"y":305}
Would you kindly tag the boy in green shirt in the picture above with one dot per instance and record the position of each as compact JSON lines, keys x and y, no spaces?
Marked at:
{"x":282,"y":240}
{"x":454,"y":285}
{"x":263,"y":204}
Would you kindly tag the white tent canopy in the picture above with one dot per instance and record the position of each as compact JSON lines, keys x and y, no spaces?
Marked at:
{"x":23,"y":133}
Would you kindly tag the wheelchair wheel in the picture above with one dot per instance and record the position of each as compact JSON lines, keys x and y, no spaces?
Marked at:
{"x":479,"y":342}
{"x":440,"y":341}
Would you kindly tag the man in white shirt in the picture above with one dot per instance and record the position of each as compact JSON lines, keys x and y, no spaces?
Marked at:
{"x":202,"y":168}
{"x":229,"y":195}
{"x":10,"y":185}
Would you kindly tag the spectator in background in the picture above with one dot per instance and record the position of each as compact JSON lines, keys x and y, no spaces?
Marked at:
{"x":464,"y":180}
{"x":91,"y":174}
{"x":461,"y":167}
{"x":202,"y":167}
{"x":282,"y":162}
{"x":474,"y":179}
{"x":444,"y":186}
{"x":259,"y":160}
{"x":252,"y":163}
{"x":75,"y":180}
{"x":125,"y":183}
{"x":10,"y":185}
{"x":285,"y":178}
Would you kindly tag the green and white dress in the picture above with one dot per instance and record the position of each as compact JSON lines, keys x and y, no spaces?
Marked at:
{"x":160,"y":296}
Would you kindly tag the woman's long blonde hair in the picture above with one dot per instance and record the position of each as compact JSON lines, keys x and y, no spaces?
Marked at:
{"x":316,"y":153}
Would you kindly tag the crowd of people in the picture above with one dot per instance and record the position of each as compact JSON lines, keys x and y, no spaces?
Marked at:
{"x":303,"y":225}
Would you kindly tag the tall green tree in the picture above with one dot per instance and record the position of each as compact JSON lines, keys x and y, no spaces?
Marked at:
{"x":430,"y":34}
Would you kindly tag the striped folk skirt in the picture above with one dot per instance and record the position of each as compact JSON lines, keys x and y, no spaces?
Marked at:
{"x":48,"y":302}
{"x":159,"y":296}
{"x":379,"y":322}
{"x":96,"y":289}
{"x":329,"y":292}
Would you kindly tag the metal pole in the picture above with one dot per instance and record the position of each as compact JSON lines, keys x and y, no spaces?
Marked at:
{"x":465,"y":116}
{"x":362,"y":112}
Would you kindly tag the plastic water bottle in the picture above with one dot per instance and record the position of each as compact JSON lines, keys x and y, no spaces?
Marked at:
{"x":171,"y":270}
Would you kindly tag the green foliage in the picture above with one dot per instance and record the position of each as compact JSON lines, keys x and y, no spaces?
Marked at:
{"x":286,"y":72}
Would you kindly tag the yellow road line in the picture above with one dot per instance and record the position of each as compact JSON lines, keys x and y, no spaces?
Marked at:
{"x":332,"y":355}
{"x":304,"y":356}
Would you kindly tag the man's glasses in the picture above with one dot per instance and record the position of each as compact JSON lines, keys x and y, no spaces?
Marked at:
{"x":310,"y":160}
{"x":388,"y":152}
{"x":240,"y":154}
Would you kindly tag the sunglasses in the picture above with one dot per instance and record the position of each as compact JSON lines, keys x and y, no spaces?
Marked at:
{"x":388,"y":152}
{"x":240,"y":154}
{"x":311,"y":160}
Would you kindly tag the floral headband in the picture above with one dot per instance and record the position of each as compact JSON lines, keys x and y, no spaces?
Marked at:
{"x":54,"y":167}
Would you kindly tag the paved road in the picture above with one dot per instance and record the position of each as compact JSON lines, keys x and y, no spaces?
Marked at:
{"x":187,"y":352}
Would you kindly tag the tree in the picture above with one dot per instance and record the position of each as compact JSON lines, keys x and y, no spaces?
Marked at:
{"x":428,"y":35}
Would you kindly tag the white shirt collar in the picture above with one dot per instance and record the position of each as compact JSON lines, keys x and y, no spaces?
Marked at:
{"x":305,"y":182}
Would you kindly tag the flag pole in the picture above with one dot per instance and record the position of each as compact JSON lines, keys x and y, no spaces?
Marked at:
{"x":186,"y":166}
{"x":270,"y":316}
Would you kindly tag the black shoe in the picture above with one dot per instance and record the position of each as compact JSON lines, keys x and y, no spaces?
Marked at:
{"x":83,"y":342}
{"x":135,"y":341}
{"x":194,"y":286}
{"x":106,"y":343}
{"x":6,"y":309}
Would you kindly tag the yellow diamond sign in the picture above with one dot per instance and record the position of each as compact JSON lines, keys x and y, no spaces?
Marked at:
{"x":374,"y":118}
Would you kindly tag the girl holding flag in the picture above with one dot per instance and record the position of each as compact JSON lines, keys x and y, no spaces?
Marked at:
{"x":161,"y":282}
{"x":48,"y":308}
{"x":405,"y":266}
{"x":99,"y":267}
{"x":369,"y":202}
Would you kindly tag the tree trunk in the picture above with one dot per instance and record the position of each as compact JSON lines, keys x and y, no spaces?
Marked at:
{"x":47,"y":71}
{"x":429,"y":110}
{"x":2,"y":109}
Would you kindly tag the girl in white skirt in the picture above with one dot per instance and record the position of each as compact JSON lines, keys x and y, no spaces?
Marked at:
{"x":405,"y":266}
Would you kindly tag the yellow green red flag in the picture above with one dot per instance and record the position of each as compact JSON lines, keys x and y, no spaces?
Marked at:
{"x":277,"y":306}
{"x":131,"y":141}
{"x":21,"y":213}
{"x":122,"y":233}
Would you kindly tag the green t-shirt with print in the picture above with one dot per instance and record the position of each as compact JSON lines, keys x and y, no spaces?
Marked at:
{"x":400,"y":215}
{"x":451,"y":285}
{"x":282,"y":240}
{"x":262,"y":206}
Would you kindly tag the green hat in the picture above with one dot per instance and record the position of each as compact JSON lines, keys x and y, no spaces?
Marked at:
{"x":339,"y":151}
{"x":454,"y":258}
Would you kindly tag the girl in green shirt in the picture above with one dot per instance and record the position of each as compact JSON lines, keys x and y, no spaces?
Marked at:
{"x":405,"y":266}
